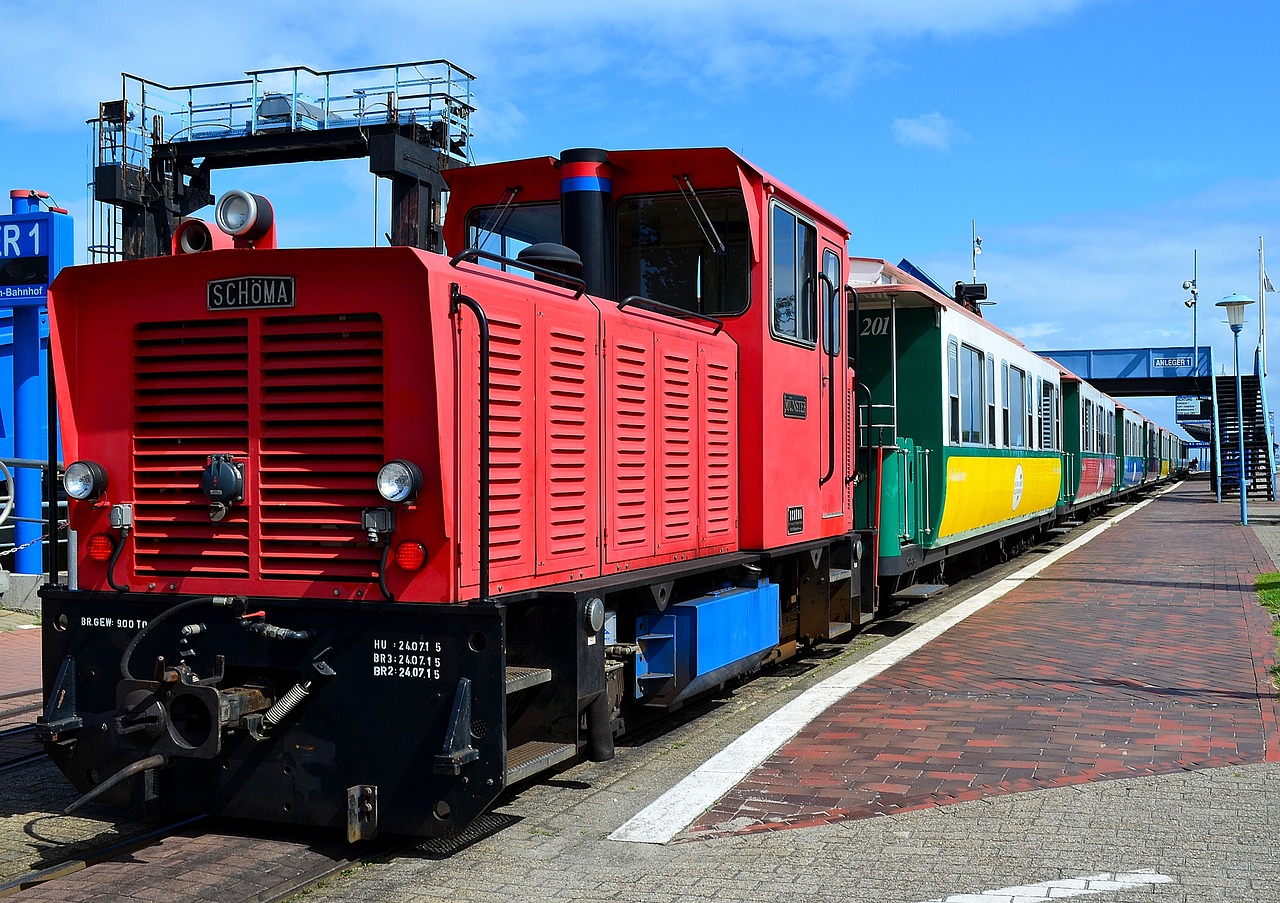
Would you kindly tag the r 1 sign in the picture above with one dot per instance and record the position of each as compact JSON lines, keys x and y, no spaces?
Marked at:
{"x":24,"y":239}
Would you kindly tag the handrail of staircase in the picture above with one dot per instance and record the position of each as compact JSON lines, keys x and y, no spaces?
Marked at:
{"x":1266,"y":426}
{"x":1217,"y":440}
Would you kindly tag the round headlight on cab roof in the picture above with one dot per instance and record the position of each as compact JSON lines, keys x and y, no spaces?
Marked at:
{"x":84,"y":480}
{"x":242,"y":214}
{"x":399,"y":481}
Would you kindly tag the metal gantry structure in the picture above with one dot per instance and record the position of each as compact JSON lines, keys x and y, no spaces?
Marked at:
{"x":155,"y":147}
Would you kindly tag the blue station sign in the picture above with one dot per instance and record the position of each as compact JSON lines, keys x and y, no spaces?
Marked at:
{"x":34,"y":245}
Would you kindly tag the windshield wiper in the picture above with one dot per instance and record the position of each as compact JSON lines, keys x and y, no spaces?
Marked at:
{"x":695,"y":207}
{"x":499,"y":217}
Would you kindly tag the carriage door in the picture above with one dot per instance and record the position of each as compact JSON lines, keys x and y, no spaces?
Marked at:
{"x":836,"y":382}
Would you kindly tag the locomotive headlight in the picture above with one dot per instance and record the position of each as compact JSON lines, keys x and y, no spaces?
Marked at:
{"x":399,"y":481}
{"x":84,"y":480}
{"x":243,"y":215}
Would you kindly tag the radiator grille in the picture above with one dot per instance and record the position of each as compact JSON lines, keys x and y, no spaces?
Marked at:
{"x":320,"y":442}
{"x":720,"y":480}
{"x":190,"y":400}
{"x":567,"y":420}
{"x":315,"y":412}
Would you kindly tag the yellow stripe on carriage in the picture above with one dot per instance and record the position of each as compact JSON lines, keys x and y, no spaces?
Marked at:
{"x":987,"y":490}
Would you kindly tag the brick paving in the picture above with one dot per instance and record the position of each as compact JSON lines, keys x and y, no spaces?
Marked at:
{"x":1143,"y":653}
{"x":19,"y":660}
{"x":200,"y":866}
{"x":20,"y":695}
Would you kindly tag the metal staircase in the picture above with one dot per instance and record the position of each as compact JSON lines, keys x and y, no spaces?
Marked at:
{"x":1259,"y":464}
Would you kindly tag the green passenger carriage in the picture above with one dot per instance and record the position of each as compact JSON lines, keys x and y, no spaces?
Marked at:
{"x":960,"y":426}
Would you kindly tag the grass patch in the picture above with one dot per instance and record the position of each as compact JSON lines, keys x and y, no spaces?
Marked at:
{"x":1268,"y":586}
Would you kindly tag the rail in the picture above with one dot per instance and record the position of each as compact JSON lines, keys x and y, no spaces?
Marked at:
{"x":430,"y":92}
{"x":1217,"y":442}
{"x":457,"y":300}
{"x":924,"y":517}
{"x":1269,"y":438}
{"x":906,"y":496}
{"x":471,"y":255}
{"x":670,"y":310}
{"x":10,"y":542}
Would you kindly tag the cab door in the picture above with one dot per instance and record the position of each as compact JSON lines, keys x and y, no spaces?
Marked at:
{"x":835,"y":379}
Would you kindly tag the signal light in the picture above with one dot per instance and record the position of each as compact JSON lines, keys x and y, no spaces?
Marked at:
{"x":193,"y":236}
{"x":100,"y":547}
{"x":410,"y":556}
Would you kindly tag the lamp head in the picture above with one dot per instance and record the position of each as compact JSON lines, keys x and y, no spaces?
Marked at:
{"x":1235,"y":305}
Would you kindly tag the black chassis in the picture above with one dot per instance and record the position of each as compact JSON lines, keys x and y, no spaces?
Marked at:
{"x":402,"y":727}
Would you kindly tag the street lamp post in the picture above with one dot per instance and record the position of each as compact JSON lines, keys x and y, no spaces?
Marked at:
{"x":1235,"y":305}
{"x":1192,"y":286}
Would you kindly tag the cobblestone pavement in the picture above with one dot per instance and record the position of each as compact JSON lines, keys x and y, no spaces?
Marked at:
{"x":34,"y":834}
{"x":1193,"y":833}
{"x":1203,"y":830}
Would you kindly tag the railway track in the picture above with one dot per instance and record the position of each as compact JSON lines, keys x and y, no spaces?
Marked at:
{"x":18,"y":711}
{"x":218,"y":865}
{"x":19,"y":706}
{"x":18,"y":747}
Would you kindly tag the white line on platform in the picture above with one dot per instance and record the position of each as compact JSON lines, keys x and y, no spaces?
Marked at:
{"x":1107,"y":882}
{"x":672,"y":812}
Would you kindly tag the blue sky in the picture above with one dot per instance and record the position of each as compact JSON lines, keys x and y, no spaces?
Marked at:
{"x":1097,"y":143}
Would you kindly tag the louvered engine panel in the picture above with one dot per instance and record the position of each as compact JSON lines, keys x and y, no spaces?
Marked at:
{"x":678,"y":443}
{"x":629,"y":457}
{"x":718,"y":400}
{"x":511,"y":460}
{"x":319,"y":443}
{"x":190,"y":400}
{"x":567,"y":524}
{"x":308,"y":436}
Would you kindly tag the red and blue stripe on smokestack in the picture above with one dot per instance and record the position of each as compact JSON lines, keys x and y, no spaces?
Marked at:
{"x":586,"y":202}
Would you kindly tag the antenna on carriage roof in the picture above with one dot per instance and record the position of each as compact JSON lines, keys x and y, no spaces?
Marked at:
{"x":977,"y":249}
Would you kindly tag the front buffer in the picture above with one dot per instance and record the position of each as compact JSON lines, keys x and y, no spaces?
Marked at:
{"x":363,"y":717}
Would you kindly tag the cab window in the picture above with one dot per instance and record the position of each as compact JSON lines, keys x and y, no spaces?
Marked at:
{"x":832,"y":302}
{"x":795,"y":263}
{"x":508,"y":230}
{"x":695,"y":255}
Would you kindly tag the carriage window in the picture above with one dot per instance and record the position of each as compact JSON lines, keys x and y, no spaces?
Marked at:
{"x":1018,"y":407}
{"x":795,"y":252}
{"x":1048,"y":416}
{"x":991,"y":400}
{"x":508,"y":230}
{"x":696,"y":261}
{"x":1004,"y":381}
{"x":953,"y":388}
{"x":972,"y":394}
{"x":1030,"y":410}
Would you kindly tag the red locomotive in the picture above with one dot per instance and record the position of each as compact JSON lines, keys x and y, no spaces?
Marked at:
{"x":366,"y":535}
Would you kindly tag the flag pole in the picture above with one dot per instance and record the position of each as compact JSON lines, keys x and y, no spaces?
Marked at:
{"x":1262,"y":310}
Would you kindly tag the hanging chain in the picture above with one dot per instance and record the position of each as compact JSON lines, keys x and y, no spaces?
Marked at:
{"x":62,"y":525}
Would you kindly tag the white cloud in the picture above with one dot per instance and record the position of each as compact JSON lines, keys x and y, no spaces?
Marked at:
{"x":928,"y":130}
{"x":516,"y":48}
{"x":1105,"y":279}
